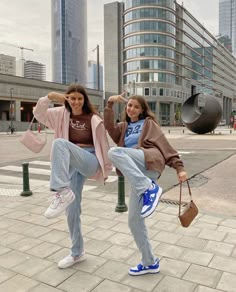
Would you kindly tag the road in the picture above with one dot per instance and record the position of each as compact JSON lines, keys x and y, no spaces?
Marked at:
{"x":199,"y":153}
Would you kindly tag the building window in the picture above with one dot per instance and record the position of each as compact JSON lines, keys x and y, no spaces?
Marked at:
{"x":161,"y":91}
{"x":154,"y":91}
{"x":139,"y":91}
{"x":146,"y":91}
{"x":152,"y":106}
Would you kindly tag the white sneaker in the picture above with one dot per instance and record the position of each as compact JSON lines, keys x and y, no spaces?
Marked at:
{"x":59,"y":203}
{"x":70,"y":261}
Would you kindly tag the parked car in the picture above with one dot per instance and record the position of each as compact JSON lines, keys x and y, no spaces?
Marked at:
{"x":165,"y":123}
{"x":222,"y":123}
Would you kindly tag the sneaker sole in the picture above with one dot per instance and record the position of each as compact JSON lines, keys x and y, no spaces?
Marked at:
{"x":59,"y":212}
{"x":149,"y":212}
{"x":154,"y":271}
{"x":82,"y":259}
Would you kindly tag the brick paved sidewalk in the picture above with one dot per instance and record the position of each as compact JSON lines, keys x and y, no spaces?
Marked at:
{"x":201,"y":258}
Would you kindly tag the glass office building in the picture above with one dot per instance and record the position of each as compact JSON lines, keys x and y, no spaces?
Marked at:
{"x":69,"y":41}
{"x":167,"y":55}
{"x":227,"y":21}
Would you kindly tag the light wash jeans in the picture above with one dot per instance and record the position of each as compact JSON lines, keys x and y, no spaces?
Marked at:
{"x":131,"y":163}
{"x":71,"y":165}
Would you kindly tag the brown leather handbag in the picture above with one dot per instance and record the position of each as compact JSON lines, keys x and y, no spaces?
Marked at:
{"x":190,"y":210}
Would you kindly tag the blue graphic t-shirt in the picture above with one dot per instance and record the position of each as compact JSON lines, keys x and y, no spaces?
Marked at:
{"x":132,"y":133}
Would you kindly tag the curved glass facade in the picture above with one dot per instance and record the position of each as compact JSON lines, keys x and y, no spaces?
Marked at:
{"x":150,"y":64}
{"x":149,"y":41}
{"x":150,"y":38}
{"x":150,"y":26}
{"x":134,"y":3}
{"x":150,"y":77}
{"x":149,"y":52}
{"x":149,"y":13}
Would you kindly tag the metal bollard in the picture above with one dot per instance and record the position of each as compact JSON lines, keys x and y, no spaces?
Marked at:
{"x":26,"y":188}
{"x":121,"y":206}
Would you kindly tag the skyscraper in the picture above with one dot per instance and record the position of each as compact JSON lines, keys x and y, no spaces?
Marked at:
{"x":69,"y":41}
{"x":113,"y":46}
{"x":227,"y":21}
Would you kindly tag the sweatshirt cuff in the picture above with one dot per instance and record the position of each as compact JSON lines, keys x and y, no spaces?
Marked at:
{"x":110,"y":104}
{"x":179,"y":169}
{"x":48,"y":98}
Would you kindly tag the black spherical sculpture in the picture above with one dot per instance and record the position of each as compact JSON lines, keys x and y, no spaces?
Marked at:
{"x":201,"y":113}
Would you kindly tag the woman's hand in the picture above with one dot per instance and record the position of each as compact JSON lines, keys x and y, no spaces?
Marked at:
{"x":57,"y":97}
{"x":182,"y":176}
{"x":117,"y":98}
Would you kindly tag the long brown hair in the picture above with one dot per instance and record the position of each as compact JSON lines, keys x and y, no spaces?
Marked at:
{"x":87,"y":107}
{"x":145,"y":107}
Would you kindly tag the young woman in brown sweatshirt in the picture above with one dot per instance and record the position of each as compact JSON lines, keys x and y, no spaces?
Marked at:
{"x":141,"y":156}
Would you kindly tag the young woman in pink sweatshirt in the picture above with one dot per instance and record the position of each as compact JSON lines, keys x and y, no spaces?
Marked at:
{"x":79,"y":151}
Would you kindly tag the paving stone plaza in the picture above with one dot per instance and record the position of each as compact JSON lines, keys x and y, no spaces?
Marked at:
{"x":201,"y":258}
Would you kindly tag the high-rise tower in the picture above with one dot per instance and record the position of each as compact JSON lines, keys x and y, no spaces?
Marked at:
{"x":69,"y":41}
{"x":227,"y":21}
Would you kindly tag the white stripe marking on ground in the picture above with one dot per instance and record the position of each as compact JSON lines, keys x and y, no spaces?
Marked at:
{"x":42,"y":171}
{"x":12,"y":180}
{"x":46,"y":163}
{"x":18,"y":181}
{"x":31,"y":169}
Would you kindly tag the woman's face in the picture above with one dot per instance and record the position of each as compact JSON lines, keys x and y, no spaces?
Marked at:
{"x":133,"y":110}
{"x":76,"y":101}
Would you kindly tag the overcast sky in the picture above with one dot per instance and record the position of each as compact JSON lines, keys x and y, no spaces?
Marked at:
{"x":27,"y":23}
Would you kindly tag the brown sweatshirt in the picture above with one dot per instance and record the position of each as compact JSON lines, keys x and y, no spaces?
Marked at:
{"x":157,"y":150}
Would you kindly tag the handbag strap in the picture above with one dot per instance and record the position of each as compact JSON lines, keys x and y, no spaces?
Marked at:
{"x":30,"y":125}
{"x":180,"y":194}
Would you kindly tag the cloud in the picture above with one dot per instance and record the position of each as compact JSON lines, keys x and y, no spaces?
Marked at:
{"x":27,"y":23}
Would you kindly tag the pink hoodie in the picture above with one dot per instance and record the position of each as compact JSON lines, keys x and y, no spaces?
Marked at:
{"x":57,"y":119}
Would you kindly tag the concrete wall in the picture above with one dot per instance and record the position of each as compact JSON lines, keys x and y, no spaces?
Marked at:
{"x":15,"y":90}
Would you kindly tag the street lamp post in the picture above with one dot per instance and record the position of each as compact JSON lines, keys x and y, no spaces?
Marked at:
{"x":98,"y":71}
{"x":11,"y":111}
